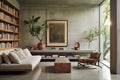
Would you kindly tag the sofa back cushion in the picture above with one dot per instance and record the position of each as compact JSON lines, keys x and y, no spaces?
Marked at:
{"x":14,"y":58}
{"x":20,"y":54}
{"x":27,"y":52}
{"x":6,"y":58}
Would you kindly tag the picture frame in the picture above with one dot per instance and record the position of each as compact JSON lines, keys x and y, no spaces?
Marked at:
{"x":57,"y":33}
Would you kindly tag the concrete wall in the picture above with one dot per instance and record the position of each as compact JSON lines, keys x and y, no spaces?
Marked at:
{"x":79,"y":19}
{"x":118,"y":36}
{"x":15,"y":3}
{"x":114,"y":50}
{"x":115,"y":37}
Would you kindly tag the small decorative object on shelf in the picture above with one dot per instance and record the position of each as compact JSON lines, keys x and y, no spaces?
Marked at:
{"x":55,"y":56}
{"x":29,"y":47}
{"x":41,"y":46}
{"x":61,"y":48}
{"x":9,"y":25}
{"x":53,"y":48}
{"x":77,"y":46}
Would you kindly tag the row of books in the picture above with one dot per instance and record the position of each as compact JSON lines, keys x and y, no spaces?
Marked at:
{"x":6,"y":26}
{"x":8,"y":18}
{"x":16,"y":37}
{"x":8,"y":36}
{"x":8,"y":44}
{"x":8,"y":8}
{"x":16,"y":44}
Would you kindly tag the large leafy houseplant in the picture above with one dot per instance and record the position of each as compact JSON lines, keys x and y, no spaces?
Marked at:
{"x":35,"y":29}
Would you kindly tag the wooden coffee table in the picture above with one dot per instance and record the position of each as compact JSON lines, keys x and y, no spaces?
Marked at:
{"x":62,"y":65}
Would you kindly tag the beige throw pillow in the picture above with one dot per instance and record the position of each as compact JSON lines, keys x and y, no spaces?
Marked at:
{"x":6,"y":58}
{"x":14,"y":58}
{"x":27,"y":52}
{"x":20,"y":54}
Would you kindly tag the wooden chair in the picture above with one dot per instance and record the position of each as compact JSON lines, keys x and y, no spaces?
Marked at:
{"x":94,"y":59}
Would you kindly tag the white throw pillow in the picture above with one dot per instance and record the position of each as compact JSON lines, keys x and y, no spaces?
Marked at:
{"x":20,"y":54}
{"x":27,"y":52}
{"x":14,"y":58}
{"x":6,"y":58}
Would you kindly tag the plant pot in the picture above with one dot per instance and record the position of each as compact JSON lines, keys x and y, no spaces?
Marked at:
{"x":41,"y":46}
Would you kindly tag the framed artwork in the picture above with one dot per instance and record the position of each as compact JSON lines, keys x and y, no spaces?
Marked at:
{"x":57,"y":33}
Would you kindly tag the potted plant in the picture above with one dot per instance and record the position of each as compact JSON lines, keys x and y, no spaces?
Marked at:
{"x":36,"y":30}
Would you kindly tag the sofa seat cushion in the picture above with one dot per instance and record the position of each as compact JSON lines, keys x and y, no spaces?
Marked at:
{"x":15,"y":67}
{"x":27,"y":64}
{"x":33,"y":60}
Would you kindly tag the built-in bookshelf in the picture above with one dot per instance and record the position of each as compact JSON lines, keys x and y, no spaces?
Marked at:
{"x":9,"y":25}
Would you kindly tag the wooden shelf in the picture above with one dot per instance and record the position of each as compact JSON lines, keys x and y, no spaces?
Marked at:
{"x":8,"y":22}
{"x":7,"y":31}
{"x":17,"y":40}
{"x":9,"y":25}
{"x":7,"y":40}
{"x":7,"y":48}
{"x":16,"y":32}
{"x":9,"y":13}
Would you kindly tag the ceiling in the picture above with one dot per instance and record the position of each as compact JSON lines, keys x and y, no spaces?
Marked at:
{"x":59,"y":2}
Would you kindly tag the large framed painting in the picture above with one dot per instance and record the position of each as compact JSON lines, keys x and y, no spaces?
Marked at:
{"x":57,"y":33}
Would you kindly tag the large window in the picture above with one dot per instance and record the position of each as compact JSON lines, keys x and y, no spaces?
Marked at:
{"x":105,"y":29}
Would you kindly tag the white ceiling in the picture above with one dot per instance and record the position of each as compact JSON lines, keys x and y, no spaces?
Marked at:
{"x":59,"y":2}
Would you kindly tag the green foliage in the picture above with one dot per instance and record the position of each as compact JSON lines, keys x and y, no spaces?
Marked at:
{"x":92,"y":34}
{"x":34,"y":29}
{"x":106,"y":26}
{"x":104,"y":30}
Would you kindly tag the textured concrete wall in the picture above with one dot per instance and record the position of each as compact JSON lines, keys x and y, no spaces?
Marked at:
{"x":118,"y":36}
{"x":15,"y":3}
{"x":79,"y":20}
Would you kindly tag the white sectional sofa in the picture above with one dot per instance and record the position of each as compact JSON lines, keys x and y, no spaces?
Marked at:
{"x":24,"y":63}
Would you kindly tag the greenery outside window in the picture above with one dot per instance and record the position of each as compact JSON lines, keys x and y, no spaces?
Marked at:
{"x":105,"y":26}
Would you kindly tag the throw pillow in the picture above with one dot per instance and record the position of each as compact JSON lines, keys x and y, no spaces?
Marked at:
{"x":20,"y":54}
{"x":14,"y":58}
{"x":16,"y":49}
{"x":27,"y":52}
{"x":6,"y":58}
